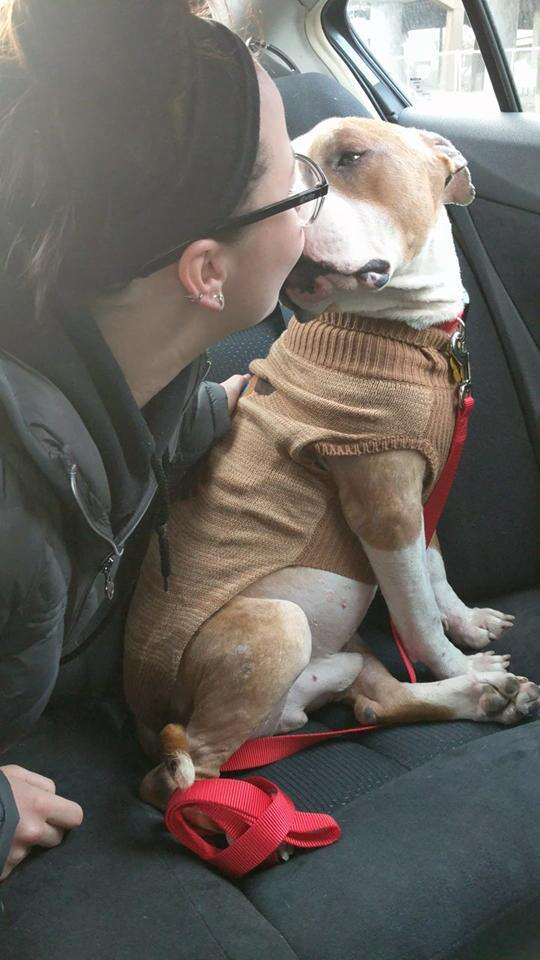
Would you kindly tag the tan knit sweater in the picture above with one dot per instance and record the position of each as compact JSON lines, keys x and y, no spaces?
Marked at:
{"x":339,"y":385}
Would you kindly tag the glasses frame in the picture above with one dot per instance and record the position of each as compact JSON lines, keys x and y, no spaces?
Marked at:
{"x":318,"y":192}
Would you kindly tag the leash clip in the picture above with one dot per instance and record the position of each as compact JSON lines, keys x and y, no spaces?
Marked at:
{"x":460,"y":364}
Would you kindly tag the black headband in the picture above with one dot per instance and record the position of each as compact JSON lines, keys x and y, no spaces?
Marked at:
{"x":218,"y":152}
{"x":154,"y":117}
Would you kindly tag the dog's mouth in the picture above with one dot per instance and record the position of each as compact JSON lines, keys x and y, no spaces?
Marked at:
{"x":311,"y":282}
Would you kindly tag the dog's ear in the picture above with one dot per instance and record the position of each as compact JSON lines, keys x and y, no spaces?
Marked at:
{"x":459,"y":186}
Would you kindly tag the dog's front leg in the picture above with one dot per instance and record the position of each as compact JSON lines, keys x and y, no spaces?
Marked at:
{"x":381,"y":498}
{"x":473,"y":627}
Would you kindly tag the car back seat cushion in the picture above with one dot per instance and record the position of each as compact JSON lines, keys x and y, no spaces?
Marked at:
{"x":119,"y":887}
{"x":426,"y":860}
{"x":490,"y":530}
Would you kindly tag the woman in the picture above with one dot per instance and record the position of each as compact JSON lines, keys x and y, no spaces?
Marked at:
{"x":130,"y":134}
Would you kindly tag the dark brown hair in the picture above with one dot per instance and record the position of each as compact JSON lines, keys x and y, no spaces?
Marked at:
{"x":66,"y":174}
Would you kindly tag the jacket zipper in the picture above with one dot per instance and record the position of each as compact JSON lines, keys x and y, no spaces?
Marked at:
{"x":117,"y":548}
{"x":107,"y":565}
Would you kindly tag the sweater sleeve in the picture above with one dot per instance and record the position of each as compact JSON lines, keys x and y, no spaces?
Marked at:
{"x":9,"y":818}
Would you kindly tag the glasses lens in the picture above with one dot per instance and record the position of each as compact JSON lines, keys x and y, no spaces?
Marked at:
{"x":306,"y":178}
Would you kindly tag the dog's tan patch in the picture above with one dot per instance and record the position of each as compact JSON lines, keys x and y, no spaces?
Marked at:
{"x":435,"y":544}
{"x":241,"y":663}
{"x":404,"y":180}
{"x":403,"y":710}
{"x":381,"y":496}
{"x":172,"y":738}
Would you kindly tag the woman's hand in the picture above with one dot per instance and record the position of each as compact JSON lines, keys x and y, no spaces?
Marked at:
{"x":233,"y":388}
{"x":43,"y":816}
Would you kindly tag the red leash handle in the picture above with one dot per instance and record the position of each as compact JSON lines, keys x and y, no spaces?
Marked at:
{"x":255,"y":813}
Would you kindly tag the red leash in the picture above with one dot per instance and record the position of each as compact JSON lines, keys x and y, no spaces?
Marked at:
{"x":254,"y":813}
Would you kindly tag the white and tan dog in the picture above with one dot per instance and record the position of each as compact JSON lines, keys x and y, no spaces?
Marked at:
{"x":381,"y":248}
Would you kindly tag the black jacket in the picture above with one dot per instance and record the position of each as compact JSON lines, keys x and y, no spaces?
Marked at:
{"x":79,"y":470}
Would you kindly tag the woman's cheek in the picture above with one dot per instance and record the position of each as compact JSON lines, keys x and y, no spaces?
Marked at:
{"x":292,"y":240}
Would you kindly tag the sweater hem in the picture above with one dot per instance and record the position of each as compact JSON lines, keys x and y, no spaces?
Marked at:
{"x":358,"y":448}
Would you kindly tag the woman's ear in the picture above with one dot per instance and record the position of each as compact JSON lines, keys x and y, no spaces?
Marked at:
{"x":202,"y":271}
{"x":458,"y":184}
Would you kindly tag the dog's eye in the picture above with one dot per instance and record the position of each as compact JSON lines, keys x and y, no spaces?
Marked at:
{"x":349,"y":157}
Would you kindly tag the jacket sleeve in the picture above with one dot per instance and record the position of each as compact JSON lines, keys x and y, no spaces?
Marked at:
{"x":33,"y":596}
{"x":204,"y":422}
{"x":9,"y":818}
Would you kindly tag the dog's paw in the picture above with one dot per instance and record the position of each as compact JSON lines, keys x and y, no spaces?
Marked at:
{"x":504,"y":698}
{"x":475,"y":627}
{"x":488,"y":662}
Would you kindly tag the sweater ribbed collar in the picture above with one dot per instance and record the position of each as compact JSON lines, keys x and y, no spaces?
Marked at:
{"x":389,"y":329}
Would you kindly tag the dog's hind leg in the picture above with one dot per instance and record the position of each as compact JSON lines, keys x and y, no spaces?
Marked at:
{"x":466,"y":626}
{"x":237,"y":672}
{"x":323,"y":680}
{"x":377,"y":697}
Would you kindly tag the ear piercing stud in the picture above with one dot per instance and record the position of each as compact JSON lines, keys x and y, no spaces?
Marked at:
{"x":197,"y":297}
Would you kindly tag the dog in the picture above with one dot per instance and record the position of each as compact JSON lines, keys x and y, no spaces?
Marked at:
{"x":314,"y":499}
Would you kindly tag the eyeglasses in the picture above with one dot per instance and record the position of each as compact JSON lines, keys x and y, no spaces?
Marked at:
{"x":307,"y":202}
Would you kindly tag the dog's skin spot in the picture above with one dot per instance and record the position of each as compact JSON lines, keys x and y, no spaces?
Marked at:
{"x":241,"y":648}
{"x":313,"y":677}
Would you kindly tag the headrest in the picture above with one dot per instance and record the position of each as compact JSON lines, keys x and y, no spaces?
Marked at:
{"x":312,"y":97}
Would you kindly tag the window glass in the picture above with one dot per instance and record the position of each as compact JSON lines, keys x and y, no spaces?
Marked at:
{"x":518,"y":25}
{"x":429,"y":48}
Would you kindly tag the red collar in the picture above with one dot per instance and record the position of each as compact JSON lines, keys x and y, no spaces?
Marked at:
{"x":451,"y":326}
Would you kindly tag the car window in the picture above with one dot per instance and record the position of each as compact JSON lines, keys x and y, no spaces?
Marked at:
{"x":518,"y":25}
{"x":429,"y":48}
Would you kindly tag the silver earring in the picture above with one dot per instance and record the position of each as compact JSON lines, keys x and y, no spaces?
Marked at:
{"x":220,"y":299}
{"x":194,"y":297}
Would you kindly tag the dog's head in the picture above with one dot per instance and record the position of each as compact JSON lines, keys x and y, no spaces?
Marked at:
{"x":387,"y":188}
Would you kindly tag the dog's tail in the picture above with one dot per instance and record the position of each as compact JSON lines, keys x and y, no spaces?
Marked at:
{"x":175,"y":755}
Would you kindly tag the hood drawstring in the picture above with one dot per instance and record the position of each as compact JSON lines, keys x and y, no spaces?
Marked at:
{"x":162,"y":517}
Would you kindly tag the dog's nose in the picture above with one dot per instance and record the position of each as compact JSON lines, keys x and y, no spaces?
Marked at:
{"x":375,"y":266}
{"x":374,"y":273}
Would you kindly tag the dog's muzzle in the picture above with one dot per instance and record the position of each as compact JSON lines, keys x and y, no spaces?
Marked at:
{"x":374,"y":274}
